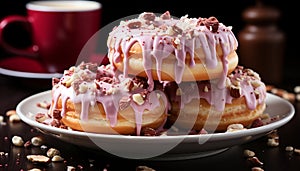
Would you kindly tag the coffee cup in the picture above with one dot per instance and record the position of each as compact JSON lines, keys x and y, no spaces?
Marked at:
{"x":58,"y":29}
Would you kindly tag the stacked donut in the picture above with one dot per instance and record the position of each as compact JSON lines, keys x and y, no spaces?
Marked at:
{"x":195,"y":60}
{"x":94,"y":98}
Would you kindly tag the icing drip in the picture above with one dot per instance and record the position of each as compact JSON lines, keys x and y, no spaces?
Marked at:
{"x":81,"y":85}
{"x":246,"y":82}
{"x":160,"y":37}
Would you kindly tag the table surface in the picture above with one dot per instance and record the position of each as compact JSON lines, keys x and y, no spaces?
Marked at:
{"x":13,"y":90}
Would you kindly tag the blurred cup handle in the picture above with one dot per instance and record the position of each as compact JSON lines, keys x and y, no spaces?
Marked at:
{"x":31,"y":51}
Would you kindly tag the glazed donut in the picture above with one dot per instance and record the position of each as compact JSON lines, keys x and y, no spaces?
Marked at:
{"x":168,"y":49}
{"x":204,"y":104}
{"x":93,"y":98}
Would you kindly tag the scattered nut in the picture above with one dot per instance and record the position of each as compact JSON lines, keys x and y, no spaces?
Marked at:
{"x":297,"y":151}
{"x":71,"y":168}
{"x":57,"y":158}
{"x":257,"y":169}
{"x":144,"y":168}
{"x":14,"y":118}
{"x":1,"y":119}
{"x":36,"y":141}
{"x":44,"y":147}
{"x":272,"y":142}
{"x":11,"y":112}
{"x":34,"y":169}
{"x":38,"y":158}
{"x":52,"y":152}
{"x":17,"y":141}
{"x":249,"y":153}
{"x":289,"y":148}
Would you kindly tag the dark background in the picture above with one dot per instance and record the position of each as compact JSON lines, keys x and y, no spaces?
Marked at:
{"x":227,"y":12}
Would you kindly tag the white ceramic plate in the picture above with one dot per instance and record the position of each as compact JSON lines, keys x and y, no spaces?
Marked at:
{"x":159,"y":147}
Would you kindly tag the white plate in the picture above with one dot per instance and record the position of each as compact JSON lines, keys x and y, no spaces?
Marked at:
{"x":159,"y":147}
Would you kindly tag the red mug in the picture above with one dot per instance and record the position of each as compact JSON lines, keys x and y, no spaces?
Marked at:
{"x":59,"y":31}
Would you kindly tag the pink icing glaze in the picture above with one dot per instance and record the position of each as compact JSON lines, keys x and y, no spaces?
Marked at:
{"x":107,"y":93}
{"x":158,"y":35}
{"x":251,"y":86}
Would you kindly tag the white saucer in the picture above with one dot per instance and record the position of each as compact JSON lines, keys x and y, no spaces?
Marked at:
{"x":34,"y":75}
{"x":177,"y":147}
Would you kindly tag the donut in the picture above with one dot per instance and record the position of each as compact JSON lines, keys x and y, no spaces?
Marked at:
{"x":96,"y":99}
{"x":165,"y":48}
{"x":204,"y":104}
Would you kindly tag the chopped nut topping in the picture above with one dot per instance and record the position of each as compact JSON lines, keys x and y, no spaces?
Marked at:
{"x":140,"y":82}
{"x":235,"y":91}
{"x":40,"y":117}
{"x":177,"y":29}
{"x":206,"y":89}
{"x":43,"y":105}
{"x":129,"y":85}
{"x":149,"y":131}
{"x":166,"y":15}
{"x":211,"y":23}
{"x":148,"y":16}
{"x":82,"y":88}
{"x":134,"y":25}
{"x":56,"y":114}
{"x":138,"y":98}
{"x":55,"y":81}
{"x":235,"y":127}
{"x":178,"y":92}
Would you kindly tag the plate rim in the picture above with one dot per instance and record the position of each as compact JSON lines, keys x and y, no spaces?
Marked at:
{"x":188,"y":138}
